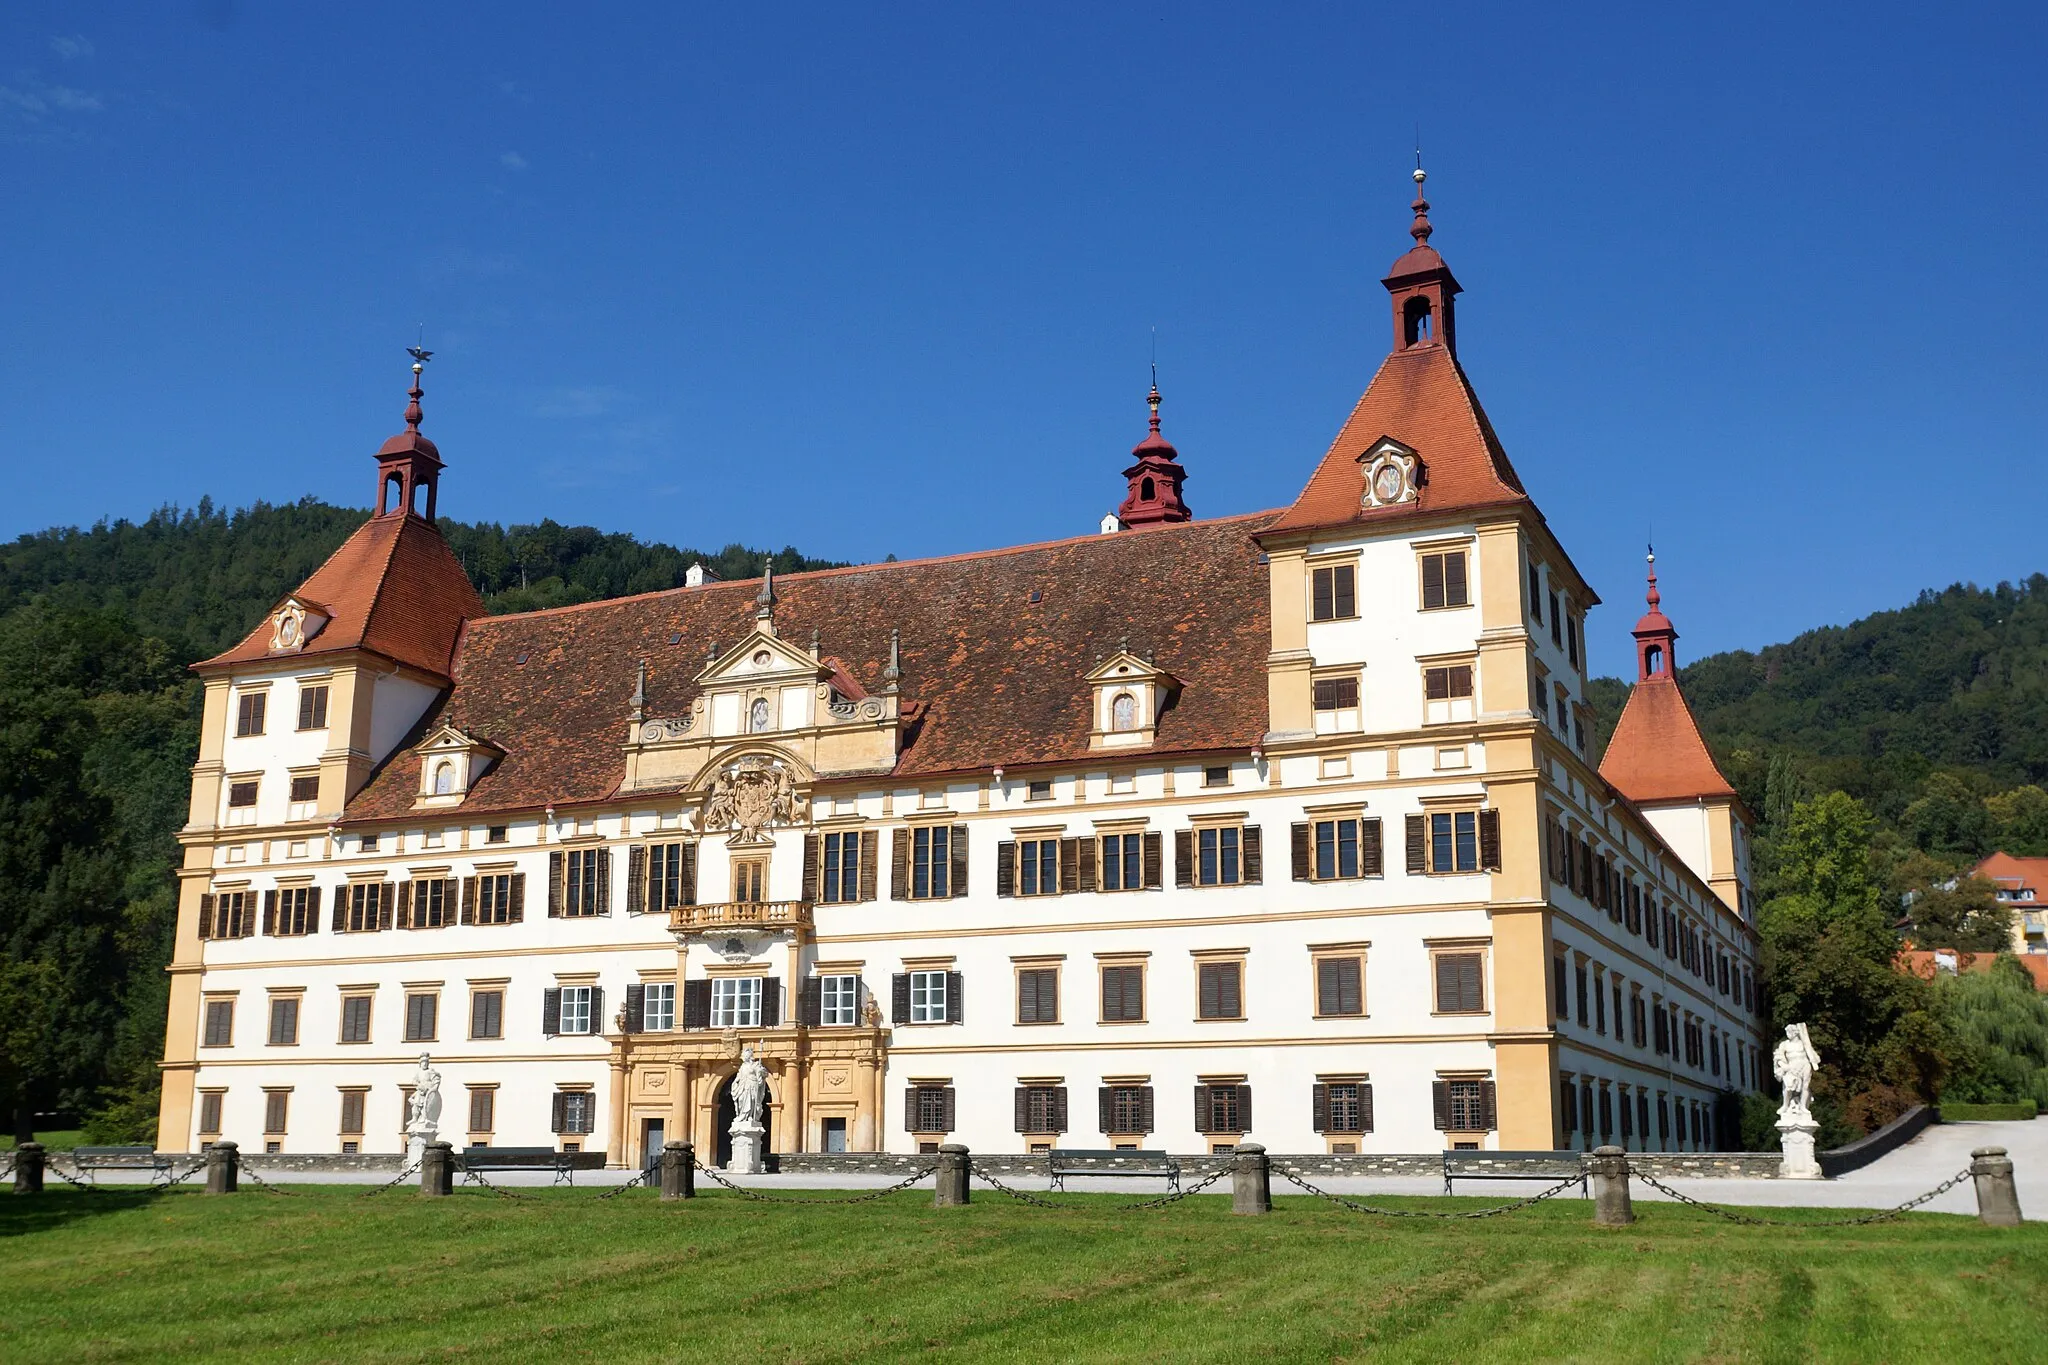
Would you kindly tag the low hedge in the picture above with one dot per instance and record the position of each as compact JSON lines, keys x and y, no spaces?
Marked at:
{"x":1989,"y":1113}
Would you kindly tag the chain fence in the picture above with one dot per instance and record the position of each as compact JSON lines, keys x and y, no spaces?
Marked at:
{"x":1026,"y":1197}
{"x":1295,"y":1176}
{"x":395,"y":1180}
{"x":88,"y":1186}
{"x":502,"y":1191}
{"x":1881,"y":1216}
{"x":760,"y":1197}
{"x":261,"y":1183}
{"x":8,"y":1174}
{"x":181,"y":1177}
{"x":641,"y":1179}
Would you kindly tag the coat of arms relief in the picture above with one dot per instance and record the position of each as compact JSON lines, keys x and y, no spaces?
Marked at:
{"x":748,"y":796}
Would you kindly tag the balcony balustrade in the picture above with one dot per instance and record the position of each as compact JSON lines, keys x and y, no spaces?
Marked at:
{"x":740,"y":915}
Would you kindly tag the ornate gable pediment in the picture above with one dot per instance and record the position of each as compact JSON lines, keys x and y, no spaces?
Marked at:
{"x":451,"y":760}
{"x":293,"y":622}
{"x":1393,"y":473}
{"x":760,"y":658}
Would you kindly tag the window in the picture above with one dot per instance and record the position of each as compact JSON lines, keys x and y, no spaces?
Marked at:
{"x":487,"y":1014}
{"x":497,"y":834}
{"x":927,"y":997}
{"x":1123,"y":994}
{"x":1340,"y":986}
{"x":1584,"y":1017}
{"x":1443,"y":580}
{"x":209,"y":1111}
{"x":305,"y":797}
{"x":1345,"y":848}
{"x":363,"y":907}
{"x":1571,"y":638}
{"x":352,"y":1112}
{"x":249,"y":713}
{"x":1447,"y":693}
{"x":1038,"y":995}
{"x":839,"y":1000}
{"x":1336,"y":703}
{"x":658,"y":1007}
{"x":1560,"y":987}
{"x":275,"y":1105}
{"x":1466,"y":1105}
{"x":931,"y":862}
{"x":575,"y":1113}
{"x":1218,"y":776}
{"x":420,"y":1011}
{"x":1536,"y":593}
{"x":1126,"y":1110}
{"x":1333,"y":592}
{"x":577,"y":1008}
{"x":1454,"y":841}
{"x":284,"y":1020}
{"x":313,"y":707}
{"x":1556,"y":622}
{"x":483,"y":1109}
{"x":749,"y":880}
{"x":585,"y":882}
{"x":1599,"y":1001}
{"x":297,"y":911}
{"x":1460,"y":983}
{"x":429,"y":904}
{"x":1122,"y":867}
{"x":841,"y":882}
{"x":231,"y":914}
{"x":1342,"y":1107}
{"x":355,"y":1019}
{"x":1123,"y":712}
{"x":928,"y":1109}
{"x":1223,"y":1109}
{"x":220,"y":1024}
{"x":367,"y":844}
{"x":242,"y":803}
{"x":735,"y":1002}
{"x":1038,"y":789}
{"x":1041,"y":1109}
{"x":493,"y":901}
{"x":1038,"y":867}
{"x":1220,"y":990}
{"x":1217,"y":856}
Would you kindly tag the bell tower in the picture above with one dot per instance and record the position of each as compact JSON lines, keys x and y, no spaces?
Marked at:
{"x":409,"y":465}
{"x":1155,"y":480}
{"x":1422,"y":286}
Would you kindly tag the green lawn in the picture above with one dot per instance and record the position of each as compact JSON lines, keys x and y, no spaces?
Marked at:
{"x":327,"y":1275}
{"x":63,"y":1140}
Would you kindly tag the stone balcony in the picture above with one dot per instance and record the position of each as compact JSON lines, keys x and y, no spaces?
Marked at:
{"x":727,"y":916}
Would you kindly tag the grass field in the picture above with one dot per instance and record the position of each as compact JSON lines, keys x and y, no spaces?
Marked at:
{"x":61,"y":1141}
{"x":326,"y":1275}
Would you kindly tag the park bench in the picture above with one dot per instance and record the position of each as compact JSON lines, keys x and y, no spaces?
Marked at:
{"x":477,"y":1160}
{"x":1063,"y":1162}
{"x":1550,"y":1166}
{"x":92,"y":1160}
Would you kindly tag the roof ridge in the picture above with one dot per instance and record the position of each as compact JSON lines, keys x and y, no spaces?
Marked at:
{"x":881,"y":566}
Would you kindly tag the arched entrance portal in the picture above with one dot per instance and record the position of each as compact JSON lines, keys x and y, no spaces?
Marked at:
{"x":723,"y":1121}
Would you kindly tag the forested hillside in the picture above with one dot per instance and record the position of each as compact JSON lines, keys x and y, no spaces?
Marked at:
{"x":99,"y":725}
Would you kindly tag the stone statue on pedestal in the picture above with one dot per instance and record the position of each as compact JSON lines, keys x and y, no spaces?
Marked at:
{"x":1793,"y":1062}
{"x":423,"y":1117}
{"x":749,"y":1108}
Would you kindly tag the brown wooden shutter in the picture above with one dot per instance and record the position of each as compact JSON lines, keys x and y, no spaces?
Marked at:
{"x":1070,"y":865}
{"x":870,"y":848}
{"x":1104,"y":1100}
{"x":1154,"y":857}
{"x":1244,"y":1109}
{"x":604,"y":881}
{"x":561,"y":1112}
{"x":1210,"y":990}
{"x":517,"y":911}
{"x":269,"y":914}
{"x":1372,"y":857}
{"x":1253,"y":858}
{"x":814,"y":861}
{"x":957,"y":845}
{"x":383,"y":892}
{"x":1021,"y":1099}
{"x":1365,"y":1107}
{"x":1006,"y":867}
{"x":1471,"y":988}
{"x":551,"y":1013}
{"x":1486,"y":1105}
{"x":1433,"y":580}
{"x":1454,"y":580}
{"x":1489,"y":840}
{"x":1145,"y":1118}
{"x":1328,"y":992}
{"x":1446,"y":983}
{"x":313,"y":910}
{"x":1183,"y":857}
{"x":405,"y":905}
{"x":899,"y":866}
{"x":1086,"y":853}
{"x":636,"y":879}
{"x":1202,"y":1109}
{"x":688,"y":879}
{"x":950,"y":1120}
{"x":899,"y":998}
{"x":339,"y":920}
{"x":1059,"y":1109}
{"x":1319,"y":1107}
{"x":636,"y":1007}
{"x":558,"y":876}
{"x":469,"y":900}
{"x":1440,"y":1103}
{"x":771,"y":1001}
{"x":1418,"y":845}
{"x":1297,"y":848}
{"x":810,"y":1002}
{"x":697,"y":1004}
{"x":910,"y":1109}
{"x":954,"y":991}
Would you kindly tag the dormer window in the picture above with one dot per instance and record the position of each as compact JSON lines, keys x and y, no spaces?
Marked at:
{"x":1129,"y":692}
{"x":451,"y":761}
{"x":292,"y":624}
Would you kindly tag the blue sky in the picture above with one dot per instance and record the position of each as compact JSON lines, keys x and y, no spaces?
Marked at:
{"x":884,"y":278}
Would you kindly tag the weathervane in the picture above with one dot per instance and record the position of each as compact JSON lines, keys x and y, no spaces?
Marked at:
{"x":420,"y":356}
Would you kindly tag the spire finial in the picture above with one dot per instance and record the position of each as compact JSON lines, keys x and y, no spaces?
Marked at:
{"x":1420,"y":228}
{"x":764,"y":601}
{"x":420,"y":356}
{"x":640,"y":691}
{"x":1654,"y":597}
{"x":893,"y":674}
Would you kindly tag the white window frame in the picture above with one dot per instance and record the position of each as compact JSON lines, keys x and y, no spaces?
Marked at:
{"x":575,"y":1009}
{"x":839,"y":999}
{"x":735,"y":1002}
{"x":658,"y":1007}
{"x":927,"y":997}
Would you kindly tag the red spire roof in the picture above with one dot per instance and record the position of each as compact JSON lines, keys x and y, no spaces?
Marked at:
{"x":1657,"y":753}
{"x":1155,"y":479}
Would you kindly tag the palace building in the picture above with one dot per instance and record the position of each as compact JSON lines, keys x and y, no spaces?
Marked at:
{"x":1198,"y":830}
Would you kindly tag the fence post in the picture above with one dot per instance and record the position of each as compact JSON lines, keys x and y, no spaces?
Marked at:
{"x":1611,"y":1205}
{"x":678,"y":1171}
{"x":950,"y":1190}
{"x":1998,"y":1200}
{"x":1251,"y":1181}
{"x":437,"y":1170}
{"x":223,"y":1168}
{"x":28,"y":1168}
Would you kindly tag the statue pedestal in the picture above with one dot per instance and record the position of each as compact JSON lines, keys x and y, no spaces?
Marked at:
{"x":1796,"y":1137}
{"x":747,"y":1157}
{"x":416,"y":1141}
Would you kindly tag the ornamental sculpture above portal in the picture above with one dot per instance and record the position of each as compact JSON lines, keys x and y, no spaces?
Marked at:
{"x":748,"y":796}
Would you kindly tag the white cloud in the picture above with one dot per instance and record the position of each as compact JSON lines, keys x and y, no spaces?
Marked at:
{"x":512,"y":161}
{"x":71,"y":47}
{"x":588,"y":401}
{"x":35,"y":100}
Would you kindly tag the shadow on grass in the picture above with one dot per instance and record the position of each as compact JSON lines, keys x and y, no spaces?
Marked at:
{"x":23,"y":1214}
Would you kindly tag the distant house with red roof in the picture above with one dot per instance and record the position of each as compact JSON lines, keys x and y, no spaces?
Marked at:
{"x":2022,"y":884}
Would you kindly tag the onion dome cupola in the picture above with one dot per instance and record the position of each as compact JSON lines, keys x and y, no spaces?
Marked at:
{"x":1155,"y":479}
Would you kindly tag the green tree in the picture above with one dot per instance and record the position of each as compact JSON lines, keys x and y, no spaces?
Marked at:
{"x":2001,"y":1026}
{"x":1964,"y":914}
{"x":2020,"y":821}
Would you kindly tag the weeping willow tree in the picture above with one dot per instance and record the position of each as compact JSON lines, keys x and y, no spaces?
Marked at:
{"x":2001,"y":1024}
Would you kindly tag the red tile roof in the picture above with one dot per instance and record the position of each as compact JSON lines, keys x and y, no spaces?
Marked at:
{"x":2016,"y":872}
{"x":997,"y":676}
{"x":1656,"y":753}
{"x":1920,"y":962}
{"x":1421,"y":398}
{"x":393,"y":588}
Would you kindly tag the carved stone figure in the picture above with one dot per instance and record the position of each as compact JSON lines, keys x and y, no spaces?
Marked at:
{"x":423,"y":1117}
{"x":1794,"y":1063}
{"x":748,"y":796}
{"x":749,"y":1093}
